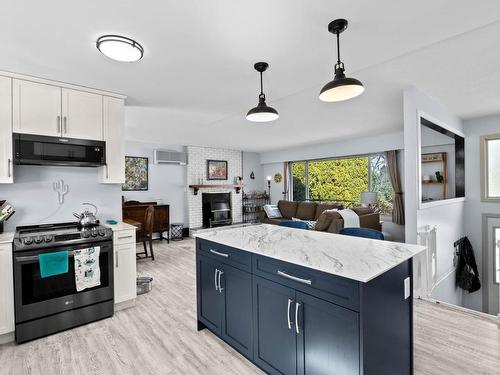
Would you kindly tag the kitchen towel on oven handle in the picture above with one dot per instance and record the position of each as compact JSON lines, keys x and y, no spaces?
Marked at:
{"x":51,"y":264}
{"x":87,"y":271}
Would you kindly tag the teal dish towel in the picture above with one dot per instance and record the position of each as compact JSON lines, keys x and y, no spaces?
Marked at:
{"x":52,"y":264}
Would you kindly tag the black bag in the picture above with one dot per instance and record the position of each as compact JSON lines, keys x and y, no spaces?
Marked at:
{"x":467,"y":276}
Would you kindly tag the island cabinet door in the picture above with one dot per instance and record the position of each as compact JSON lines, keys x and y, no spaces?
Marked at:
{"x":209,"y":296}
{"x":275,"y":347}
{"x":237,"y":321}
{"x":327,"y":337}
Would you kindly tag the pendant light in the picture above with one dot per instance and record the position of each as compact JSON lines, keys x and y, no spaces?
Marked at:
{"x":342,"y":87}
{"x":262,"y":113}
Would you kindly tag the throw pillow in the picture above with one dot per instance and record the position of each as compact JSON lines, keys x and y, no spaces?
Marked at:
{"x":272,"y":211}
{"x":325,"y":219}
{"x":310,"y":223}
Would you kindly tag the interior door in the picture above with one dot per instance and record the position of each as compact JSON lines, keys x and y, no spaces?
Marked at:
{"x":82,"y":115}
{"x":491,"y":276}
{"x":237,"y":315}
{"x":124,"y":272}
{"x":327,"y":337}
{"x":36,"y":108}
{"x":275,"y":348}
{"x":209,"y":297}
{"x":6,"y":164}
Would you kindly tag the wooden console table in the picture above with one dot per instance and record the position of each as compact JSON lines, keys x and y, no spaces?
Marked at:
{"x":134,"y":211}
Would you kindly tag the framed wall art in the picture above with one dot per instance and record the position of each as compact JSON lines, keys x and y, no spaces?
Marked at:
{"x":136,"y":173}
{"x":216,"y":170}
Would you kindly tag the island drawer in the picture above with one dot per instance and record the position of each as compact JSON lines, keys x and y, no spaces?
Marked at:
{"x":338,"y":290}
{"x":225,"y":254}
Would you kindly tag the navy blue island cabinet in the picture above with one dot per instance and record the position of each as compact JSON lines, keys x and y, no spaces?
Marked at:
{"x":293,"y":320}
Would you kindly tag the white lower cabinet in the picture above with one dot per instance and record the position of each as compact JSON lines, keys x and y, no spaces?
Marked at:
{"x":6,"y":290}
{"x":125,"y":272}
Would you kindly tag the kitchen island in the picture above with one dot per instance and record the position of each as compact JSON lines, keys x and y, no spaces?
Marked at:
{"x":304,"y":302}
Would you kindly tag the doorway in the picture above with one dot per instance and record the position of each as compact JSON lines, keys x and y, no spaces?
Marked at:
{"x":491,"y":264}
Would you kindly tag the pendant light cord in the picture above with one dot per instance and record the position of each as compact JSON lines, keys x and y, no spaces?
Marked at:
{"x":261,"y":95}
{"x":338,"y":49}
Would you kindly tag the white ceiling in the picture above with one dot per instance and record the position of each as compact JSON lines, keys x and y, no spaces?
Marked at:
{"x":196,"y":80}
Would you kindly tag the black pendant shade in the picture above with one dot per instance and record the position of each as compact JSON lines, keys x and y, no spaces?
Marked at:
{"x":342,"y":87}
{"x":262,"y":113}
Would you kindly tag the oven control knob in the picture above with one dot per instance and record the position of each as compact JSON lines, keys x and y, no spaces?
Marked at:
{"x":86,"y":234}
{"x":102,"y":233}
{"x":38,"y":240}
{"x":28,"y":241}
{"x":94,"y":234}
{"x":47,"y":238}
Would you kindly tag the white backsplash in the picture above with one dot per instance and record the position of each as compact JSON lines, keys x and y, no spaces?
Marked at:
{"x":35,"y":201}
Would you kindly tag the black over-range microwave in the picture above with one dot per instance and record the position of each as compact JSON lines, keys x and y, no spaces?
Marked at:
{"x":43,"y":150}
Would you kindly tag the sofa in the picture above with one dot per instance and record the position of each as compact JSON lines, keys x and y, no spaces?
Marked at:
{"x":329,"y":221}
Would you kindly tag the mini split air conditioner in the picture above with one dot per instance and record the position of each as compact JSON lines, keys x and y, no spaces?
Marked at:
{"x":170,"y":157}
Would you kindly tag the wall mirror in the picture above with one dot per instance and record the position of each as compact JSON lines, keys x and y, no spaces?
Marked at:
{"x":441,"y":163}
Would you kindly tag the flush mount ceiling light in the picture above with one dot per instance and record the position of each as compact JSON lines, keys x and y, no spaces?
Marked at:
{"x":342,"y":87}
{"x":120,"y":48}
{"x":262,"y":113}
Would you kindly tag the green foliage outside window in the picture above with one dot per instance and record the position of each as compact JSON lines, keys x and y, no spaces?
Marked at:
{"x":343,"y":180}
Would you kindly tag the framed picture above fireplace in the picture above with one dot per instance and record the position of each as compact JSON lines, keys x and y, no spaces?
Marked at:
{"x":216,"y":170}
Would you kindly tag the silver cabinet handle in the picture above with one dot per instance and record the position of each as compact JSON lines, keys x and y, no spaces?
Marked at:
{"x":288,"y":313}
{"x":297,"y":307}
{"x":107,"y":174}
{"x":123,"y":237}
{"x":220,"y":288}
{"x":219,"y":254}
{"x":294,"y":278}
{"x":65,"y":120}
{"x":116,"y":259}
{"x":8,"y":168}
{"x":215,"y":279}
{"x":58,"y":124}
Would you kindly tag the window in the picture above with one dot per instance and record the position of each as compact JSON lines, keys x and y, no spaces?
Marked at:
{"x":342,"y":180}
{"x":490,"y":168}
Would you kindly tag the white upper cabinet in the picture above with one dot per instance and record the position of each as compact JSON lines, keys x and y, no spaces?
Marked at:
{"x":36,"y":108}
{"x":82,"y":115}
{"x":114,"y":133}
{"x":6,"y":166}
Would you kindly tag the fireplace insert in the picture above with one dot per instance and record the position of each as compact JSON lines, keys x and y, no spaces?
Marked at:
{"x":216,"y":209}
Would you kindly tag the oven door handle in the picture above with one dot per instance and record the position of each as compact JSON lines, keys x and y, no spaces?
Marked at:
{"x":35,"y":257}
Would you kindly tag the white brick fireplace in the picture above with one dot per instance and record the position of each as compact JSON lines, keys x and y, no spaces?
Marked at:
{"x":197,"y":169}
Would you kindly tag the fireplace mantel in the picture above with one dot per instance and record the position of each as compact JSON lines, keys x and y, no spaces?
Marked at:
{"x":195,"y":188}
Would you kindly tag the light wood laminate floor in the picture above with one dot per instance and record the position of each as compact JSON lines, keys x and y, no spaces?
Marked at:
{"x":158,"y":335}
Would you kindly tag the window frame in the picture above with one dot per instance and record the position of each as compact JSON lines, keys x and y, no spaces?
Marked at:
{"x":496,"y":280}
{"x":485,"y":197}
{"x":307,"y":161}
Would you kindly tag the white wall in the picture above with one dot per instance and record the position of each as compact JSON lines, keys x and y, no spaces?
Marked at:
{"x":251,"y":163}
{"x":277,"y":189}
{"x":35,"y":201}
{"x":474,"y":128}
{"x":357,"y":146}
{"x":449,"y":217}
{"x":167,"y":182}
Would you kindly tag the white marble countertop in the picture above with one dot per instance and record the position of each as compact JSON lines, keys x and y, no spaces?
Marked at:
{"x":6,"y":237}
{"x":119,"y":226}
{"x":355,"y":258}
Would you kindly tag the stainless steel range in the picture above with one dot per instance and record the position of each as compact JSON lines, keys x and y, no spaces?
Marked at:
{"x":45,"y":305}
